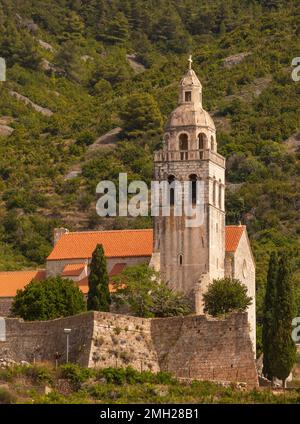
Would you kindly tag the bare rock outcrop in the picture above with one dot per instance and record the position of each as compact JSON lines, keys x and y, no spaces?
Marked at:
{"x":44,"y":111}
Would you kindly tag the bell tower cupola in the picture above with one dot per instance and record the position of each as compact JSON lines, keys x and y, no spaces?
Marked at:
{"x":190,"y":87}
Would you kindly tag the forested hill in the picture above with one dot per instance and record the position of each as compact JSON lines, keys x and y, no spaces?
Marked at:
{"x":78,"y":69}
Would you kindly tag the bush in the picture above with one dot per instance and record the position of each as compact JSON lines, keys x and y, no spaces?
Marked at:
{"x":75,"y":373}
{"x":6,"y":397}
{"x":48,"y":299}
{"x":224,"y":296}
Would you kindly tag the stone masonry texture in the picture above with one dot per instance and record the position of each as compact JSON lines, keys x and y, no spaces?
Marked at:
{"x":193,"y":347}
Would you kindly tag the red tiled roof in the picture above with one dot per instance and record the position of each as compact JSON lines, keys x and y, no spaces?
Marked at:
{"x":12,"y":281}
{"x":233,"y":234}
{"x":117,"y":269}
{"x":73,"y":270}
{"x":120,"y":243}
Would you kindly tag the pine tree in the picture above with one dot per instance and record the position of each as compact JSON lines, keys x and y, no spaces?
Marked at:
{"x":98,"y":295}
{"x":117,"y":30}
{"x":269,"y":317}
{"x":285,"y":357}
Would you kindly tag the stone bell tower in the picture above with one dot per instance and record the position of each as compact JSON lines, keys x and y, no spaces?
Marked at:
{"x":191,"y":257}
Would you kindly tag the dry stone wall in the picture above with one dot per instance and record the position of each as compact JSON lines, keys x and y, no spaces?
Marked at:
{"x":188,"y":347}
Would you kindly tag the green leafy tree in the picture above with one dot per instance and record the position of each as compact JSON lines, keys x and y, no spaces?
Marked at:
{"x":285,"y":357}
{"x":226,"y":295}
{"x":139,"y":288}
{"x":268,"y":331}
{"x":98,"y":295}
{"x":48,"y":299}
{"x":141,"y":115}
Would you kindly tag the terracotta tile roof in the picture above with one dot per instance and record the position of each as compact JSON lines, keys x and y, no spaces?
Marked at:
{"x":73,"y":270}
{"x":12,"y":281}
{"x":84,"y":286}
{"x":117,"y":269}
{"x":120,"y":243}
{"x":233,"y":234}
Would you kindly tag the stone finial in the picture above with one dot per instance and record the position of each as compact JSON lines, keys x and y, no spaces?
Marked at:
{"x":190,"y":61}
{"x":58,"y":232}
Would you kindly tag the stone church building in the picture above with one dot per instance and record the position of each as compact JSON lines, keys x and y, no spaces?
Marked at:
{"x":189,"y":258}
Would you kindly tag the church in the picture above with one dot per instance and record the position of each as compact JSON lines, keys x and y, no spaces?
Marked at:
{"x":188,"y":258}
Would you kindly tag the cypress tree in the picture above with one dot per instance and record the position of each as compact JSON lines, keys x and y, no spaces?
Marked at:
{"x":269,"y":316}
{"x":285,"y":357}
{"x":98,"y":295}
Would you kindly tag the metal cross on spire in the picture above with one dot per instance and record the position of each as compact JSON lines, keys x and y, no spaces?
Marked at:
{"x":190,"y":61}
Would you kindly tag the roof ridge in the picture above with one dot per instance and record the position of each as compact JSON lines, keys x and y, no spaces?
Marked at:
{"x":236,"y":226}
{"x":108,"y":231}
{"x":23,"y":270}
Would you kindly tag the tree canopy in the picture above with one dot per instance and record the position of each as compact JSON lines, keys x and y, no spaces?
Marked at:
{"x":224,"y":296}
{"x":48,"y":299}
{"x":140,"y":289}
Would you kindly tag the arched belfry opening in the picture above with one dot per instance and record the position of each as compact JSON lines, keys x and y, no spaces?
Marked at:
{"x":183,"y":146}
{"x":193,"y":179}
{"x":183,"y":142}
{"x":202,"y":141}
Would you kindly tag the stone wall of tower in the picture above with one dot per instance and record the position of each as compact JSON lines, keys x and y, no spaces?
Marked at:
{"x":201,"y":248}
{"x":216,"y":222}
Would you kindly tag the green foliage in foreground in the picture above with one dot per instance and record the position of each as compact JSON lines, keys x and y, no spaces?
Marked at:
{"x":255,"y":105}
{"x":120,"y":385}
{"x":140,"y":289}
{"x":48,"y":299}
{"x":224,"y":296}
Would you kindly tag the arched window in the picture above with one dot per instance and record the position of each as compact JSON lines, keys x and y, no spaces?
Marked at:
{"x":180,"y":259}
{"x":171,"y":191}
{"x":202,"y":141}
{"x":212,"y":143}
{"x":220,"y":194}
{"x":215,"y":192}
{"x":193,"y":179}
{"x":183,"y":142}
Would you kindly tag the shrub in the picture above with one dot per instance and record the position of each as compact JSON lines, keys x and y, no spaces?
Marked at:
{"x":48,"y":299}
{"x":226,"y":295}
{"x":75,"y":373}
{"x":6,"y":397}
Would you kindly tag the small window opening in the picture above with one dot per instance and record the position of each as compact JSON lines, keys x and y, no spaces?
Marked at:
{"x":171,"y":179}
{"x":193,"y":179}
{"x":188,"y":96}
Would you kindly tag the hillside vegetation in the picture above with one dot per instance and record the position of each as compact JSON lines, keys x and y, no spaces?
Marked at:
{"x":71,"y":384}
{"x":77,"y":70}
